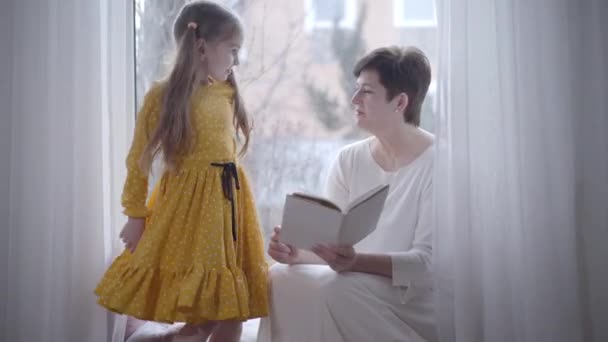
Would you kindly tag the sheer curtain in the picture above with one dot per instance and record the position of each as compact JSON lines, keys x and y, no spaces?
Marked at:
{"x":522,"y":171}
{"x":6,"y":57}
{"x":69,"y":76}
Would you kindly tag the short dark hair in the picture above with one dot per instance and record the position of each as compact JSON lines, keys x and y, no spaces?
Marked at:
{"x":401,"y":70}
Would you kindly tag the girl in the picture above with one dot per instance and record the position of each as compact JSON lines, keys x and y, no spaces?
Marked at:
{"x":201,"y":258}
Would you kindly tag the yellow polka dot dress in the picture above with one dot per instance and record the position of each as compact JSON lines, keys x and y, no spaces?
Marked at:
{"x":201,"y":256}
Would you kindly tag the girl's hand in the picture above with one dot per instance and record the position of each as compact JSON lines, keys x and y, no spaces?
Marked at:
{"x":279,"y":251}
{"x":339,"y":258}
{"x":132,"y":232}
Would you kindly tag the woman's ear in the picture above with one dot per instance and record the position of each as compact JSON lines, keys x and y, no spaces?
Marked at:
{"x":402,"y":102}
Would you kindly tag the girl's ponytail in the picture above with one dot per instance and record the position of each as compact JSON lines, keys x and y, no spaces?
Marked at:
{"x":175,"y":134}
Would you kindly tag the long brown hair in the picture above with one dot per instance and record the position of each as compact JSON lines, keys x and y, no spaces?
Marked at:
{"x":174,"y":134}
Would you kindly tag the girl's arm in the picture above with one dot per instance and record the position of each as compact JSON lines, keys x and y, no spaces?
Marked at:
{"x":135,"y":190}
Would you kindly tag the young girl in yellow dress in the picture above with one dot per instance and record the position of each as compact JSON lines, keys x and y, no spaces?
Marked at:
{"x":200,"y":259}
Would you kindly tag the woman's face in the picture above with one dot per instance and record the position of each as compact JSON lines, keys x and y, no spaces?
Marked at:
{"x":374,"y":113}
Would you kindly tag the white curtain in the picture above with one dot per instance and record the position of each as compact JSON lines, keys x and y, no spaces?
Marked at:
{"x":71,"y":76}
{"x":522,"y":174}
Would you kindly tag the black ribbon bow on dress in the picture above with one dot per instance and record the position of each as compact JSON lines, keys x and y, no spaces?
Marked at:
{"x":229,"y":172}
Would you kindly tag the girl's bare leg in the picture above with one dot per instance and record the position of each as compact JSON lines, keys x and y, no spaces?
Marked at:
{"x":227,"y":331}
{"x":132,"y":325}
{"x":206,"y":329}
{"x":194,"y":333}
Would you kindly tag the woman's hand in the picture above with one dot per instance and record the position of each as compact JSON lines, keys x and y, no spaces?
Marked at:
{"x":339,"y":258}
{"x":279,"y":251}
{"x":132,"y":232}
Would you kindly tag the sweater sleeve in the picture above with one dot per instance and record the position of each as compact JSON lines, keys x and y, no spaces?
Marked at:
{"x":413,"y":267}
{"x":336,"y":186}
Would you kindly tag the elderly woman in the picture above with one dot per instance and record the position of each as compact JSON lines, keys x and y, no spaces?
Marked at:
{"x":379,"y":289}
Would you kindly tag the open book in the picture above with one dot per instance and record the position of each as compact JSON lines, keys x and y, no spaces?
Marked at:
{"x":308,"y":219}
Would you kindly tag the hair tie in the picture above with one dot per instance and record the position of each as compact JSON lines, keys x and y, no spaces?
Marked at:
{"x":192,"y":25}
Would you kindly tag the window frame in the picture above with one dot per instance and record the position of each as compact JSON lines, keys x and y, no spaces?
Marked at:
{"x":399,"y":19}
{"x":346,"y":22}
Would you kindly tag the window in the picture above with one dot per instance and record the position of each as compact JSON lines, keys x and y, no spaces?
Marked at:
{"x":324,"y":13}
{"x":296,"y":87}
{"x":414,"y":13}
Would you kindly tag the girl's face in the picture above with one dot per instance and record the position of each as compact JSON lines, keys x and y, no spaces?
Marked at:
{"x":221,"y":56}
{"x":373,"y":112}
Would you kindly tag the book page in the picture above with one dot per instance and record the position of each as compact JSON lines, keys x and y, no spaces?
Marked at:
{"x":306,"y":223}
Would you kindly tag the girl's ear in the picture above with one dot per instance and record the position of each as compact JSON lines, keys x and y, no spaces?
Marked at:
{"x":200,"y":46}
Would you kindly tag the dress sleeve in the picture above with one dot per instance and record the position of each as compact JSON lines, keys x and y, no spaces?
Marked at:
{"x":413,"y":267}
{"x":135,"y":189}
